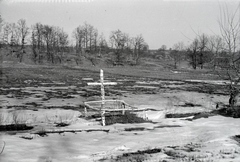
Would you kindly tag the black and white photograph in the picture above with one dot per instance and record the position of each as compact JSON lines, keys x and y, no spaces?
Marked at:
{"x":120,"y":80}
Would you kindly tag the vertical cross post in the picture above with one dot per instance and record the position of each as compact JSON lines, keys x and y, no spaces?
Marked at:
{"x":103,"y":98}
{"x":102,"y":111}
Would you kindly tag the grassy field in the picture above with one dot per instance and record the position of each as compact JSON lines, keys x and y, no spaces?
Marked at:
{"x":67,"y":73}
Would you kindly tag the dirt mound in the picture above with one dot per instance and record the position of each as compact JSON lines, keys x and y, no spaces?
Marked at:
{"x":119,"y":118}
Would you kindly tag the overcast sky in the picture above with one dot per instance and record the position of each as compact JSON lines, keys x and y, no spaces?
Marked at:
{"x":159,"y":21}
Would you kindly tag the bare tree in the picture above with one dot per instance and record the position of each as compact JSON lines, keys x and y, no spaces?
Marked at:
{"x":193,"y":53}
{"x":11,"y":38}
{"x":78,"y":35}
{"x":60,"y":43}
{"x":163,"y":47}
{"x":177,"y":53}
{"x":48,"y":39}
{"x":90,"y":36}
{"x":37,"y":42}
{"x":230,"y":29}
{"x":215,"y":44}
{"x":95,"y":39}
{"x":102,"y":44}
{"x":1,"y":34}
{"x":118,"y":40}
{"x":1,"y":23}
{"x":86,"y":37}
{"x":216,"y":47}
{"x":6,"y":33}
{"x":203,"y":42}
{"x":229,"y":23}
{"x":140,"y":46}
{"x":23,"y":32}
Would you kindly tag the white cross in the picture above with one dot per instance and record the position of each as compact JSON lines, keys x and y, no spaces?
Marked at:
{"x":102,"y":93}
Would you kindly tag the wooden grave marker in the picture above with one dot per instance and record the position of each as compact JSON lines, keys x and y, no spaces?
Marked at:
{"x":102,"y":83}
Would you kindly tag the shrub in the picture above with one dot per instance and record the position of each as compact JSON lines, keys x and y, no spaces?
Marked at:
{"x":126,"y":118}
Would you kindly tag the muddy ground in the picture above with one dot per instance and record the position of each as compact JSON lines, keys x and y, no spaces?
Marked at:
{"x":47,"y":105}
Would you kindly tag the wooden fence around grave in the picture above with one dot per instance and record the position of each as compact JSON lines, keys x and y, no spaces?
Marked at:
{"x":109,"y":105}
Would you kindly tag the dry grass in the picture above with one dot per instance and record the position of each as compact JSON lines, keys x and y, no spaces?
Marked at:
{"x":18,"y":73}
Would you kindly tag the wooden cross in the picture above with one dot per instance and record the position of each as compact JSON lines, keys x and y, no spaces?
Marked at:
{"x":102,"y":83}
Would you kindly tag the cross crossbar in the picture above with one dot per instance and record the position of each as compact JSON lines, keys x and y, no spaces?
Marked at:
{"x":107,"y":83}
{"x":102,"y":93}
{"x":102,"y":85}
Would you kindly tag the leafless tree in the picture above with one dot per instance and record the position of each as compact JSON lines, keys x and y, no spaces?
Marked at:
{"x":60,"y":43}
{"x":86,"y":28}
{"x":203,"y":42}
{"x":86,"y":37}
{"x":216,"y":47}
{"x":95,"y":40}
{"x":37,"y":42}
{"x":14,"y":38}
{"x":102,"y":44}
{"x":118,"y":40}
{"x":23,"y":32}
{"x":193,"y":53}
{"x":163,"y":47}
{"x":6,"y":33}
{"x":1,"y":23}
{"x":78,"y":35}
{"x":11,"y":38}
{"x":48,"y":34}
{"x":177,"y":53}
{"x":90,"y":36}
{"x":140,"y":46}
{"x":229,"y":23}
{"x":230,"y":29}
{"x":1,"y":34}
{"x":49,"y":41}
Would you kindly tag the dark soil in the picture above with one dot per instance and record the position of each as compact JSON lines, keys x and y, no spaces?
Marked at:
{"x":149,"y":151}
{"x":62,"y":124}
{"x":167,"y":126}
{"x":228,"y":112}
{"x":171,"y":151}
{"x":189,"y":104}
{"x":177,"y":115}
{"x":237,"y":138}
{"x":135,"y":129}
{"x":195,"y":115}
{"x":138,"y":156}
{"x":124,"y":119}
{"x":142,"y":128}
{"x":117,"y":117}
{"x":15,"y":127}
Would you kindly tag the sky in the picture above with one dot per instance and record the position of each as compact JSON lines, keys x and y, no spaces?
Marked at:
{"x":161,"y":22}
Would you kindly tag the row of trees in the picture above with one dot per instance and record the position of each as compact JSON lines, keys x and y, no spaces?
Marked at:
{"x":204,"y":49}
{"x":48,"y":41}
{"x":15,"y":35}
{"x":134,"y":47}
{"x":123,"y":46}
{"x":51,"y":43}
{"x":86,"y":37}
